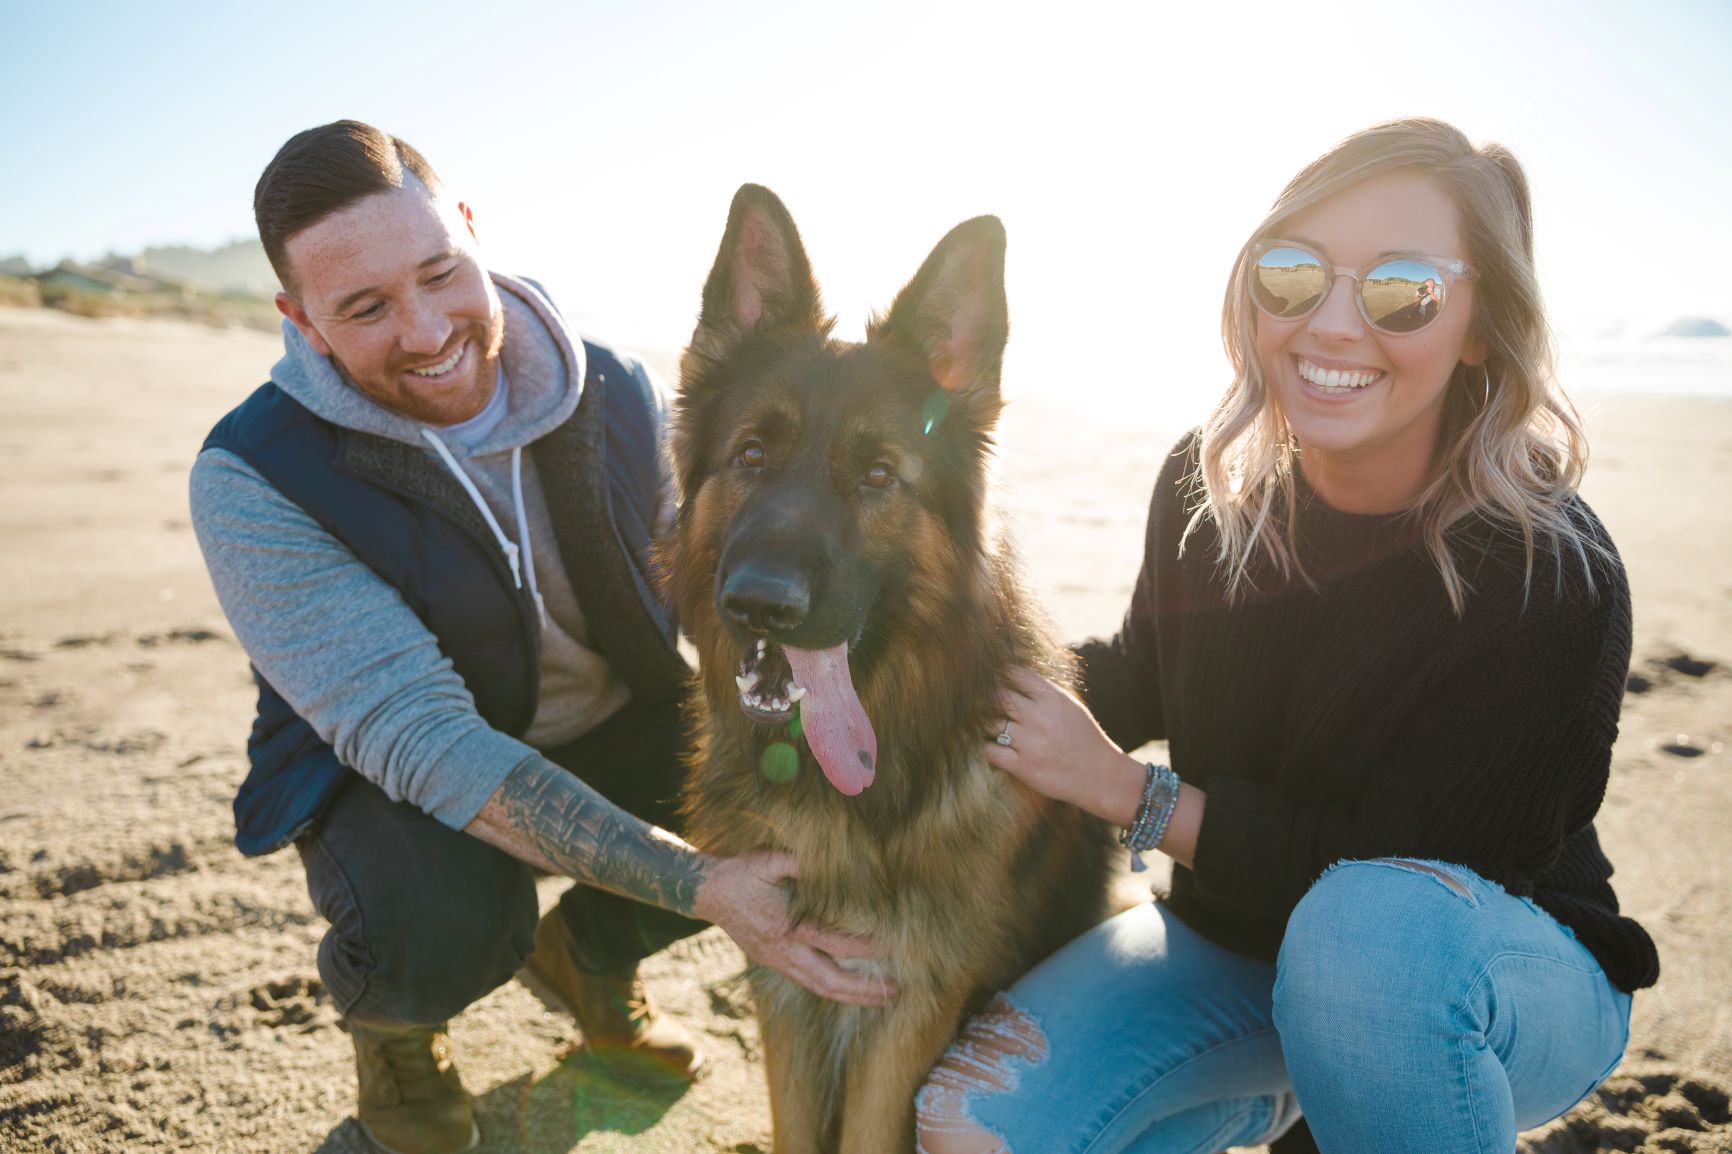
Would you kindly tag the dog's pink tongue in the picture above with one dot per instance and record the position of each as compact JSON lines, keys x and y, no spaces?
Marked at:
{"x":832,"y":718}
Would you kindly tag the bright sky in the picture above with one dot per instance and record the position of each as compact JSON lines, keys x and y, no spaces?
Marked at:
{"x":1128,"y":148}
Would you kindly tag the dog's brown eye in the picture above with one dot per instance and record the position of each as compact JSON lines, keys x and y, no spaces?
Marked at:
{"x":880,"y":476}
{"x":751,"y":456}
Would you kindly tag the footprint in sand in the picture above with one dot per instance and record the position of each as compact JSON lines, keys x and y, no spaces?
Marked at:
{"x":87,"y":737}
{"x":85,"y":641}
{"x":128,"y":744}
{"x":1675,"y":668}
{"x":731,"y":997}
{"x":1687,"y":665}
{"x":185,"y":635}
{"x":1647,"y":1113}
{"x":29,"y":1045}
{"x":294,"y":1002}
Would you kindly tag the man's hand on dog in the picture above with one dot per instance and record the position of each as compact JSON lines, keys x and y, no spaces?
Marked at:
{"x":744,"y":895}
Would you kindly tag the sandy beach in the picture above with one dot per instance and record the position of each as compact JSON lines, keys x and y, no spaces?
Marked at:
{"x":158,"y":991}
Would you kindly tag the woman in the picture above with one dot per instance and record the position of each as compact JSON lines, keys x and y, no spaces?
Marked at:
{"x":1386,"y":643}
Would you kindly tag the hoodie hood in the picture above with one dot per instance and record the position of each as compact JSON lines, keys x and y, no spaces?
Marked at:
{"x":541,"y":361}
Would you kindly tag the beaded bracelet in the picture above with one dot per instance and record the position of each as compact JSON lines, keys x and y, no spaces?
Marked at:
{"x":1154,"y":812}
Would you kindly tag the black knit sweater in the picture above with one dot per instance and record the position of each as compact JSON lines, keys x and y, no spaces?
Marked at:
{"x":1360,"y":717}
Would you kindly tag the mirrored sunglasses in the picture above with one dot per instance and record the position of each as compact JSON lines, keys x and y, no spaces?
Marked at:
{"x":1398,"y":295}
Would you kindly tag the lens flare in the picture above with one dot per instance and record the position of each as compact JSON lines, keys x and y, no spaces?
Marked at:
{"x":933,"y":412}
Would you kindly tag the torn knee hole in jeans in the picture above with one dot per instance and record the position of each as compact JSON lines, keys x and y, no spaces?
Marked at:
{"x":980,"y":1061}
{"x":1450,"y":880}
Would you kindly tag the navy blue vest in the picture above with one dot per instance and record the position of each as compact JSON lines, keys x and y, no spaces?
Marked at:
{"x":407,"y":519}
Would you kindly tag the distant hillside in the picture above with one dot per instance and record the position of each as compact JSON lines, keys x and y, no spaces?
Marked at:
{"x":232,"y":285}
{"x":240,"y":267}
{"x":1696,"y":327}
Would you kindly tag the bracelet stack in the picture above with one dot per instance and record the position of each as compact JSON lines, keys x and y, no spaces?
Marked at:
{"x":1160,"y":797}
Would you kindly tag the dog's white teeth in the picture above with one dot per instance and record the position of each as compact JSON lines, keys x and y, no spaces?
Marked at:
{"x":795,"y":692}
{"x":765,"y":703}
{"x":746,"y":681}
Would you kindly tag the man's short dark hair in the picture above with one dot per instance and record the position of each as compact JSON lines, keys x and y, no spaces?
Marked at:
{"x":325,"y":170}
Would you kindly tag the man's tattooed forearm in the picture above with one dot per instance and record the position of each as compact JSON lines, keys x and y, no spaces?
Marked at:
{"x":542,"y":813}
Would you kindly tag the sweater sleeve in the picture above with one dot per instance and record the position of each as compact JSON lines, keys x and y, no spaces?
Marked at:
{"x":1120,"y":678}
{"x":1495,"y":770}
{"x":343,"y":649}
{"x":1120,"y":682}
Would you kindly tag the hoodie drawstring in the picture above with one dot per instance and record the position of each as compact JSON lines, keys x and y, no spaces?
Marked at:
{"x":523,"y":532}
{"x":506,"y":545}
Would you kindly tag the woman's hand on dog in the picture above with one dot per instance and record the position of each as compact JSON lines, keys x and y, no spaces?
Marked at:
{"x":744,"y":895}
{"x":1056,"y":748}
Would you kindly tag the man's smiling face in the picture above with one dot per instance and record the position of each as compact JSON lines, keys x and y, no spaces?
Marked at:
{"x":392,"y":290}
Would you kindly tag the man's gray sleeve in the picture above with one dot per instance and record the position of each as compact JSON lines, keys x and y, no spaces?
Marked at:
{"x":343,"y":649}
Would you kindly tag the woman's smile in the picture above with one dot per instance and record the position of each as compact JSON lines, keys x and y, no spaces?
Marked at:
{"x":1335,"y":382}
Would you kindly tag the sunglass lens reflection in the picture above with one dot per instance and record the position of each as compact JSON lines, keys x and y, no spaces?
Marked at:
{"x":1287,"y":282}
{"x":1402,"y":296}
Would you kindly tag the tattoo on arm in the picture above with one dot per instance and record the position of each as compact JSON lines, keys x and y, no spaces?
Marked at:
{"x":548,"y":817}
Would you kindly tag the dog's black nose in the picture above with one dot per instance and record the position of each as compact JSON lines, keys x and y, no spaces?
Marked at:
{"x":764,"y":601}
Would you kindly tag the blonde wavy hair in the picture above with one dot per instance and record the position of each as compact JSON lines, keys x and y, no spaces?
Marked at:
{"x":1514,"y":457}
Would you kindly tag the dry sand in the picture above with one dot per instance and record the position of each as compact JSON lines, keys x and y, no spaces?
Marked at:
{"x":158,"y":991}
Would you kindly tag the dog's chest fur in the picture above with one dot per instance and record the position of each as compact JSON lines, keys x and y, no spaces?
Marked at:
{"x":929,"y":888}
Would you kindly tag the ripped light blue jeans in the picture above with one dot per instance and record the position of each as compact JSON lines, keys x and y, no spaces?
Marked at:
{"x":1415,"y":1006}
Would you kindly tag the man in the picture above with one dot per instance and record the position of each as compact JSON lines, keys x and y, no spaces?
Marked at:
{"x":1425,"y":297}
{"x":429,"y":532}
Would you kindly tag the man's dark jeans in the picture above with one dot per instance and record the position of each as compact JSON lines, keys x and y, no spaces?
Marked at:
{"x":426,"y":919}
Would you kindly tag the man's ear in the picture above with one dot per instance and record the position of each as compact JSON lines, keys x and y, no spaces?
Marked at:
{"x":291,"y":308}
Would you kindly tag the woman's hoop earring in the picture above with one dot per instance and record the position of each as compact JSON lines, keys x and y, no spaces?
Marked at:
{"x":1485,"y":400}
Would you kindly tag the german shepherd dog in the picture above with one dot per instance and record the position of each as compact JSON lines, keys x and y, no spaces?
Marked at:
{"x":856,"y":620}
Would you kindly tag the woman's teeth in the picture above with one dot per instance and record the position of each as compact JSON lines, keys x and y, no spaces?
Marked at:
{"x":443,"y":366}
{"x":1334,"y":378}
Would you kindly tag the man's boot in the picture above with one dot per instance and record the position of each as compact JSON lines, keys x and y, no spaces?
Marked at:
{"x":620,"y":1024}
{"x":411,"y":1099}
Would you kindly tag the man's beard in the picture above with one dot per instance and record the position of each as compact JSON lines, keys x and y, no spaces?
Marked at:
{"x":397,"y":390}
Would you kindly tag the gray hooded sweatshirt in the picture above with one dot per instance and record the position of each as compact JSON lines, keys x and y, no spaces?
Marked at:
{"x":340,"y":644}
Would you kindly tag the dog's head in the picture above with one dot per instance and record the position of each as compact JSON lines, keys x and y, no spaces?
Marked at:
{"x":833,"y":493}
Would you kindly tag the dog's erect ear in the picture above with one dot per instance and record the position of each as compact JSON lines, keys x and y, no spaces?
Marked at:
{"x":954,"y":312}
{"x":761,"y":278}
